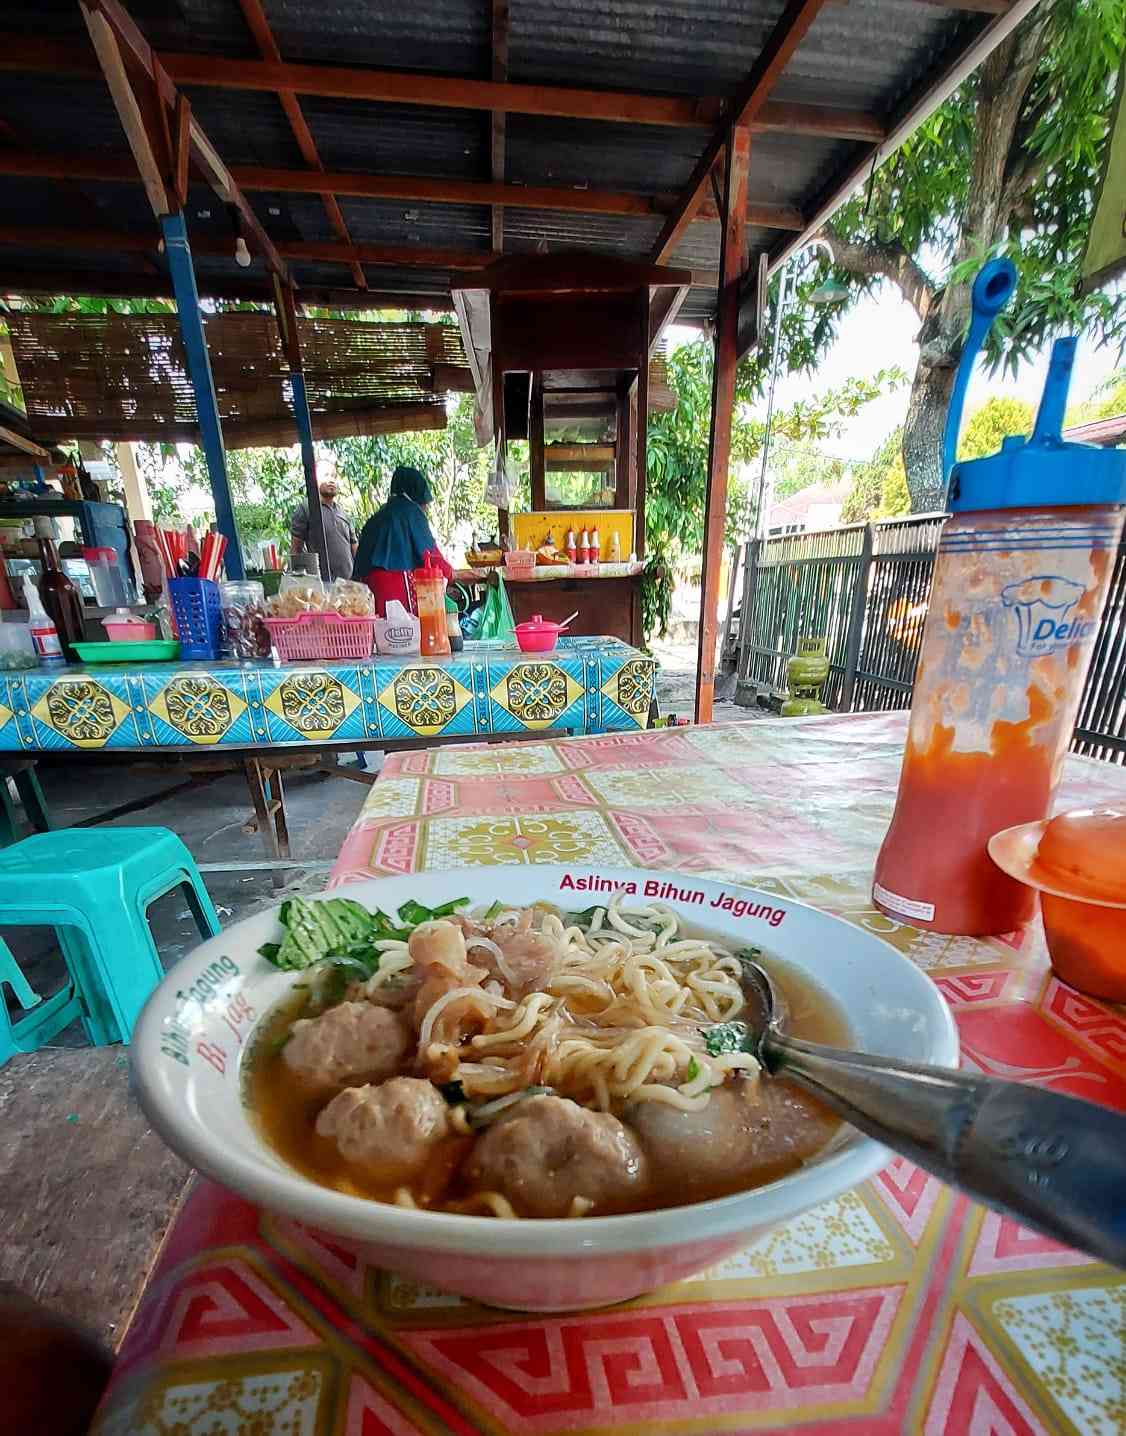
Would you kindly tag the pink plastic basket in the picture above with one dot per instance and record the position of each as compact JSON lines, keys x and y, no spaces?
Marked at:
{"x":321,"y":636}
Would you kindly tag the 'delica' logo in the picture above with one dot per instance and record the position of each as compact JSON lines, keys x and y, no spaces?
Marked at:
{"x":1043,"y":606}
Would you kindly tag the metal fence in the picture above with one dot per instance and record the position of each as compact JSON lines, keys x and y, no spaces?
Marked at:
{"x":865,"y":588}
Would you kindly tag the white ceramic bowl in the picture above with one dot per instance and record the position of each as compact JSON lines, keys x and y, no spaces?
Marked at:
{"x":189,"y":1044}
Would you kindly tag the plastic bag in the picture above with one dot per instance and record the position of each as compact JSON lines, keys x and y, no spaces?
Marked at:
{"x":496,"y":616}
{"x":500,"y":485}
{"x":398,"y":634}
{"x":351,"y":599}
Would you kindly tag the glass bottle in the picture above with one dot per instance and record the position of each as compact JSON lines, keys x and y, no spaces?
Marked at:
{"x":61,"y":599}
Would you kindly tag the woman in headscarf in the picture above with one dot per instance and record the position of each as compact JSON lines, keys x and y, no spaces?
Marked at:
{"x":397,"y":539}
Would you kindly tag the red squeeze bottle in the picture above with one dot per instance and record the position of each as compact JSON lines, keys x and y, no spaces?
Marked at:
{"x":584,"y":547}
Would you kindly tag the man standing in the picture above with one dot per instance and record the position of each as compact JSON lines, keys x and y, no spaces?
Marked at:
{"x":339,"y":533}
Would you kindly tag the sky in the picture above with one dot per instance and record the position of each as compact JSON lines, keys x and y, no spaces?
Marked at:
{"x":879,"y":332}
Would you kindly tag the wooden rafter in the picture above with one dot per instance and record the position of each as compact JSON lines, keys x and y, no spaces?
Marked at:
{"x":111,"y":241}
{"x":124,"y":53}
{"x":31,"y":55}
{"x":259,"y":27}
{"x":789,"y":31}
{"x":497,"y":118}
{"x":400,"y":187}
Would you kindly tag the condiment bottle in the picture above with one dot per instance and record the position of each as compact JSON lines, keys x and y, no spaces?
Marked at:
{"x":1019,"y":583}
{"x":453,"y":626}
{"x":61,"y":599}
{"x":595,"y":545}
{"x":584,"y":547}
{"x":615,"y":547}
{"x":430,"y":601}
{"x":44,"y":634}
{"x":571,"y":545}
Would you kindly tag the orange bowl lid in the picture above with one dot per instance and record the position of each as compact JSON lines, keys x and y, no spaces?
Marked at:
{"x":1080,"y":855}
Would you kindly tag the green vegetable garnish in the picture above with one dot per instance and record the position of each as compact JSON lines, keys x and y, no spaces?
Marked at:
{"x":343,"y":930}
{"x":492,"y":910}
{"x":727,"y":1037}
{"x":693,"y":1070}
{"x":413,"y":912}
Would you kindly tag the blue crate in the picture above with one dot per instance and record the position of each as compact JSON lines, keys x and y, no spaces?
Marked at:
{"x":199,"y":616}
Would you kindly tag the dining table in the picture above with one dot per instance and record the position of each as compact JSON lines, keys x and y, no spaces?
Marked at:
{"x":900,"y":1306}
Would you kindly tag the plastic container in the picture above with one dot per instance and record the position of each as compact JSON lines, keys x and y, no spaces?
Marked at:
{"x":125,"y":627}
{"x":519,"y":562}
{"x":44,"y":634}
{"x":430,"y":601}
{"x":1018,"y":590}
{"x":17,"y":648}
{"x":199,"y":616}
{"x":105,"y":575}
{"x":1077,"y":864}
{"x":321,"y":636}
{"x":156,"y":650}
{"x":537,"y":635}
{"x":397,"y":635}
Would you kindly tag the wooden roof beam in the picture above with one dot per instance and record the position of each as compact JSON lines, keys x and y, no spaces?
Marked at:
{"x":120,"y":46}
{"x":399,"y":187}
{"x":35,"y":55}
{"x":497,"y":120}
{"x":259,"y":27}
{"x":789,"y":31}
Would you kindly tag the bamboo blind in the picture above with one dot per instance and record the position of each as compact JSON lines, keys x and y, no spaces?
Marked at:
{"x":124,"y":376}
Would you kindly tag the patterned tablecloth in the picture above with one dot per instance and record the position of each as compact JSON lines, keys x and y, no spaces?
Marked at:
{"x":588,"y":685}
{"x":899,"y":1307}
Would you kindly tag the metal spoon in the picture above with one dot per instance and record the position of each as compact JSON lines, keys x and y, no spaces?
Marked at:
{"x":1056,"y":1163}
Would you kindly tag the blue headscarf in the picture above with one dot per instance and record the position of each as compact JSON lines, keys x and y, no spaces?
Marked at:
{"x":397,"y":536}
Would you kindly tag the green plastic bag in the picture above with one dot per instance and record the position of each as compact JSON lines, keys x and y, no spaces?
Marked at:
{"x":496,"y":619}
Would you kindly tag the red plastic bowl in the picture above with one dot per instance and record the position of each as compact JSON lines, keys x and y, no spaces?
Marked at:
{"x":538,"y":635}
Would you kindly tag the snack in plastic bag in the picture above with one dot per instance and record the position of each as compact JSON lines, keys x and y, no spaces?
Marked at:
{"x":351,"y":599}
{"x":298,"y":594}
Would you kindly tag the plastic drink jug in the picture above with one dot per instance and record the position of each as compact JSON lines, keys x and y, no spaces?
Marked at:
{"x":430,"y":600}
{"x":397,"y":634}
{"x":1019,"y":584}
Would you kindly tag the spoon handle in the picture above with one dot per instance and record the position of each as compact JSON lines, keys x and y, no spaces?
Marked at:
{"x":1056,"y":1163}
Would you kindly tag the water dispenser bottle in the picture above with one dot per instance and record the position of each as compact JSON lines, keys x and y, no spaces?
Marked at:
{"x":1019,"y":584}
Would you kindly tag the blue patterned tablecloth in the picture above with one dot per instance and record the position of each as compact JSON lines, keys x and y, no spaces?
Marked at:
{"x":588,"y":685}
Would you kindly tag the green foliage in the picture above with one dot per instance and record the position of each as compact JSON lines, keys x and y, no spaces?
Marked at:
{"x":677,"y":456}
{"x":1107,"y":402}
{"x":895,"y":499}
{"x":988,"y":425}
{"x":801,"y":466}
{"x":866,"y":496}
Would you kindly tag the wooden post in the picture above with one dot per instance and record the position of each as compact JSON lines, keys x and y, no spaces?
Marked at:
{"x":285,"y":309}
{"x":723,"y":402}
{"x":623,"y":467}
{"x":639,"y":427}
{"x":537,"y":470}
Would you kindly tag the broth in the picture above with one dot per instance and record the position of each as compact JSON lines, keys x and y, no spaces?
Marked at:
{"x":286,"y":1117}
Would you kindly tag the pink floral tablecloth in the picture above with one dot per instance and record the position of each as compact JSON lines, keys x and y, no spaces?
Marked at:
{"x":898,"y":1307}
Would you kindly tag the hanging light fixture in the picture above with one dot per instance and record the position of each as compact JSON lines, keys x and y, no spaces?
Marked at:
{"x":829,"y":291}
{"x":242,"y":254}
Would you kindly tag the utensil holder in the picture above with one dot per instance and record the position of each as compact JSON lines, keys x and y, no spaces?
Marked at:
{"x":199,"y":616}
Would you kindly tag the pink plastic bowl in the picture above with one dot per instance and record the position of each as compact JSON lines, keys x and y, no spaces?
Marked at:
{"x":130,"y":632}
{"x":538,"y":635}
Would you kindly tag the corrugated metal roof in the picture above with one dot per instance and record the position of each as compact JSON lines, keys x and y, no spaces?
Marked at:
{"x":865,"y":55}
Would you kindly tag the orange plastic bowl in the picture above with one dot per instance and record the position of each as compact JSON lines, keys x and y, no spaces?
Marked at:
{"x":1077,"y":863}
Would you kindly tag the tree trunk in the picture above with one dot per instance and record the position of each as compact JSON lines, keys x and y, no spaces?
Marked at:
{"x":922,"y":436}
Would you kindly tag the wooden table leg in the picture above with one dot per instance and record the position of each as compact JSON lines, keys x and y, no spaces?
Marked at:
{"x":256,"y":783}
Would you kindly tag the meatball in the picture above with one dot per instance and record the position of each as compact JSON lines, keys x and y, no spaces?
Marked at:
{"x":749,"y":1130}
{"x":391,"y":1130}
{"x":550,"y":1150}
{"x":351,"y":1042}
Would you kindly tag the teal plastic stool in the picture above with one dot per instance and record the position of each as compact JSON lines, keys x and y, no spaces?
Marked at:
{"x":46,"y":1017}
{"x":94,"y":886}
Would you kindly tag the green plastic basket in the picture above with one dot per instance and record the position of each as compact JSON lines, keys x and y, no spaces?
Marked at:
{"x":152,"y":650}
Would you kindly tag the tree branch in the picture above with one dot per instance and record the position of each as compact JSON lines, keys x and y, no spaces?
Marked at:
{"x":884,"y":261}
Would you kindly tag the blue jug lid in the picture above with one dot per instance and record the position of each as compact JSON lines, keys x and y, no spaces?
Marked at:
{"x":1043,"y":470}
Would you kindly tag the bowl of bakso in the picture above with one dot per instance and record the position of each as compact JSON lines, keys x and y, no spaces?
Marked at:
{"x":535,"y":1087}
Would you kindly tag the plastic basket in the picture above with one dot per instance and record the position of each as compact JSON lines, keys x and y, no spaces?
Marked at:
{"x":320,"y":636}
{"x":199,"y":616}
